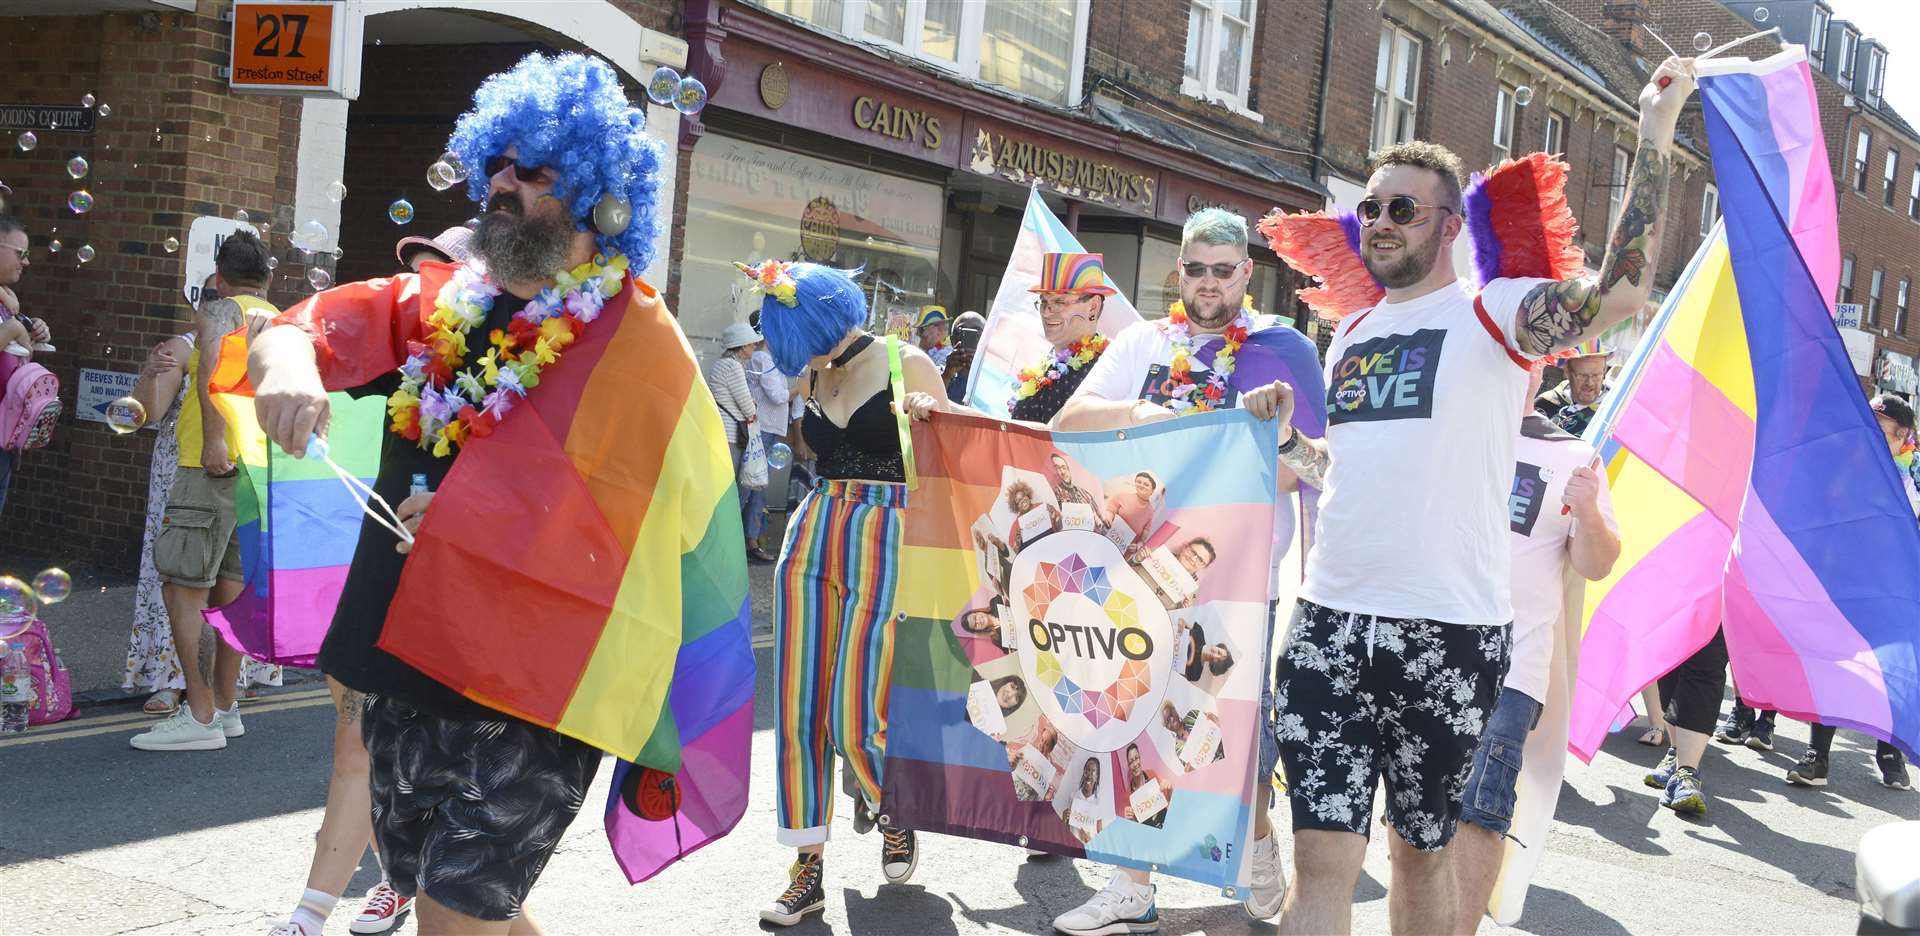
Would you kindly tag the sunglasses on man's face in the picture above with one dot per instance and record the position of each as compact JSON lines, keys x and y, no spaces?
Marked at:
{"x":1401,"y":209}
{"x":1194,"y":269}
{"x":522,"y":172}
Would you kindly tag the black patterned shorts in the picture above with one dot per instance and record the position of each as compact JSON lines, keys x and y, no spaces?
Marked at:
{"x":468,"y":812}
{"x":1361,"y":696}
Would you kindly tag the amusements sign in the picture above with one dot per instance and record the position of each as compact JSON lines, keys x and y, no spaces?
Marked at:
{"x":1079,"y":663}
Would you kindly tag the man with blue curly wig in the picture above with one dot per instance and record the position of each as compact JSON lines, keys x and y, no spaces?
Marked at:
{"x":468,"y":801}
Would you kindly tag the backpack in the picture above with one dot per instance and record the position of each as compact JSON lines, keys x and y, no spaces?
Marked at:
{"x":52,"y":685}
{"x":29,"y":407}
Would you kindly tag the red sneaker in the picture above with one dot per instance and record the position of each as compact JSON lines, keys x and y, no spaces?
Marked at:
{"x":382,"y":912}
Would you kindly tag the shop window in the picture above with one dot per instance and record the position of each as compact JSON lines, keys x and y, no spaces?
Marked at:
{"x":826,"y":14}
{"x":1556,"y":133}
{"x":1121,"y":253}
{"x":1873,"y":298}
{"x":1396,"y":84}
{"x":1617,"y":183}
{"x":1846,"y":279}
{"x":1506,"y":116}
{"x":1886,"y":178}
{"x":1219,"y":51}
{"x":1862,"y":146}
{"x":1159,"y":279}
{"x":747,"y":201}
{"x":1709,"y":209}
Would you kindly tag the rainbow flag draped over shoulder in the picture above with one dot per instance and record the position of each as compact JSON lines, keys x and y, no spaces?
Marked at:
{"x":601,"y":522}
{"x":298,"y":523}
{"x":1753,"y":487}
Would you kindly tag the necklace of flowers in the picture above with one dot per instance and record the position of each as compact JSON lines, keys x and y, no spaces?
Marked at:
{"x":1183,"y":399}
{"x":1070,"y":358}
{"x":438,"y":405}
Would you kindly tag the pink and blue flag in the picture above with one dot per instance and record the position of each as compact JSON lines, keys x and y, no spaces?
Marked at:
{"x":1754,"y":488}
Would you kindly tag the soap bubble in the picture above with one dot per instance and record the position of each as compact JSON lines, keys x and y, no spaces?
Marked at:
{"x":664,"y":86}
{"x":1702,"y":42}
{"x":53,"y":246}
{"x":456,"y":169}
{"x":26,"y":141}
{"x":692,"y":96}
{"x":86,"y":100}
{"x":273,"y":263}
{"x":337,"y":192}
{"x":319,"y":278}
{"x":80,"y":202}
{"x":779,"y":456}
{"x":106,"y":111}
{"x":440,"y":177}
{"x":77,"y":167}
{"x":1760,"y":14}
{"x":125,"y":415}
{"x":16,"y":598}
{"x":53,"y":586}
{"x":240,"y":215}
{"x":84,"y":254}
{"x":310,"y":236}
{"x":171,"y":245}
{"x":400,"y":212}
{"x":1523,"y":95}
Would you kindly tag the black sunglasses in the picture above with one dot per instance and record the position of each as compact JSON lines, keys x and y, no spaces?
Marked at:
{"x":1402,"y":209}
{"x":520,"y":171}
{"x":1194,"y":269}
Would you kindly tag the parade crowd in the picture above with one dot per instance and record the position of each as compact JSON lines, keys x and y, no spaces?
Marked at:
{"x":1450,"y":517}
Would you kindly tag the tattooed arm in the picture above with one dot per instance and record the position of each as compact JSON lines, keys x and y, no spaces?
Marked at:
{"x":1308,"y":459}
{"x":1563,"y":314}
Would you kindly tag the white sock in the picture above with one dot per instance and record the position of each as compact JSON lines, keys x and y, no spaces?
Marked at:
{"x":315,"y":907}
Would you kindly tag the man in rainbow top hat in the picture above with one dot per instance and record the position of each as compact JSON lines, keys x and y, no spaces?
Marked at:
{"x":1071,"y":295}
{"x":930,"y":333}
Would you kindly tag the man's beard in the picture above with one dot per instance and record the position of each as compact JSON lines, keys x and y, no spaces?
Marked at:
{"x":1212,"y":313}
{"x":1412,"y":266}
{"x":522,"y":248}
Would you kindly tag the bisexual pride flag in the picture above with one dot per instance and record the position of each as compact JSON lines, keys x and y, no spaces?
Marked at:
{"x":1753,"y":487}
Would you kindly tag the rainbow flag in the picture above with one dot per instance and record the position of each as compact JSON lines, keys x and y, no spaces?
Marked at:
{"x":601,"y":520}
{"x":1013,"y":340}
{"x":1079,"y":660}
{"x":298,"y":523}
{"x":1753,"y":486}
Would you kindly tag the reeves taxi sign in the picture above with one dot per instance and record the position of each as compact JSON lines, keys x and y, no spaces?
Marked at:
{"x":289,"y":47}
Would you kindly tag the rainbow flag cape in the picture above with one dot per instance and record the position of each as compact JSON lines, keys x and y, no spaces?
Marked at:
{"x":1013,"y":340}
{"x":1078,"y":663}
{"x":298,"y":523}
{"x":602,"y":519}
{"x":1753,"y":486}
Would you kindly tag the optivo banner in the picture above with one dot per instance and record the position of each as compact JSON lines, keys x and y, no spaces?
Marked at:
{"x":1085,"y":626}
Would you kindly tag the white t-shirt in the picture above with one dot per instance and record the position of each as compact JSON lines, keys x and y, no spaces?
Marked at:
{"x":1423,"y":407}
{"x":1539,"y":535}
{"x":1135,"y":367}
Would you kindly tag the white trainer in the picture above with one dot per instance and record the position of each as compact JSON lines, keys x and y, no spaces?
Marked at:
{"x":180,"y":732}
{"x":1120,"y":907}
{"x":1268,"y":889}
{"x":230,"y":723}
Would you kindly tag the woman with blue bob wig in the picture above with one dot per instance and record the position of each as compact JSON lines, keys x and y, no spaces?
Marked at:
{"x":833,"y":607}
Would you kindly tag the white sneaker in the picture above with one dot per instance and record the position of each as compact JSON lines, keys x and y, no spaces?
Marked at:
{"x":289,"y":928}
{"x":180,"y":732}
{"x":1269,"y":887}
{"x":230,"y":723}
{"x":382,"y":911}
{"x":1120,"y":907}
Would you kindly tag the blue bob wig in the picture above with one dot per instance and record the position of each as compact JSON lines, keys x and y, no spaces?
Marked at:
{"x":828,"y":305}
{"x":570,"y":114}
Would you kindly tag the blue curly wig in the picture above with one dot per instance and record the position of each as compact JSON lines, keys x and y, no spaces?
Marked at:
{"x":829,"y":304}
{"x":570,"y":114}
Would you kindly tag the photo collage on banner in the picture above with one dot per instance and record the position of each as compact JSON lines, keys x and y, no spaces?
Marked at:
{"x":1091,"y":683}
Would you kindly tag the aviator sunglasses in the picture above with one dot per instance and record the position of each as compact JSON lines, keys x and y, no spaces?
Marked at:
{"x":1402,"y":209}
{"x":1194,"y":269}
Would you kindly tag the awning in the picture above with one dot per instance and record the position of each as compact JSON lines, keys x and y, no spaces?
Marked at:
{"x":1208,"y":145}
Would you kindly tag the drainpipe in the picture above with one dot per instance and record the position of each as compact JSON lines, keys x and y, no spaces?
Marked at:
{"x":1320,"y":103}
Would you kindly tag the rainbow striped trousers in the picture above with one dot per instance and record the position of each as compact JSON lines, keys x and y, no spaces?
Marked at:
{"x":833,"y":620}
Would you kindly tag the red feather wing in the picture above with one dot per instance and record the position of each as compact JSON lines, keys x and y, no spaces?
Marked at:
{"x":1314,"y":243}
{"x":1537,"y":231}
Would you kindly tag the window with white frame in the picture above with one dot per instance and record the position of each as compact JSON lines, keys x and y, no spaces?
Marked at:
{"x":1817,"y":39}
{"x":1873,"y":297}
{"x":1887,"y":177}
{"x":1219,"y":51}
{"x":1862,"y":146}
{"x":1849,"y":50}
{"x":1900,"y":307}
{"x":1031,"y":47}
{"x":1846,"y":279}
{"x":1913,"y":194}
{"x":1396,"y":84}
{"x":1556,"y":141}
{"x":1506,"y":115}
{"x":1876,"y":75}
{"x":1617,"y":183}
{"x":1709,"y":208}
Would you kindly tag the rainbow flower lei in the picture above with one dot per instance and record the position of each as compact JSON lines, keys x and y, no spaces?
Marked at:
{"x":439,"y":407}
{"x":1064,"y":360}
{"x":1183,"y":398}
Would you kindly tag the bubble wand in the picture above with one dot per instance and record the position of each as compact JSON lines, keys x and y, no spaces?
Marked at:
{"x":367,"y":496}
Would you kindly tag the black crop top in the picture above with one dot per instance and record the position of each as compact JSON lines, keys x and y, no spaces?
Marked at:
{"x":867,"y":448}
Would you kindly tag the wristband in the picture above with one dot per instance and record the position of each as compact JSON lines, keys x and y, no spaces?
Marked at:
{"x":1293,"y":442}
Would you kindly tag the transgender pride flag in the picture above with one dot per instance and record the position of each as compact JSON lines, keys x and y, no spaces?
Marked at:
{"x":1753,"y":486}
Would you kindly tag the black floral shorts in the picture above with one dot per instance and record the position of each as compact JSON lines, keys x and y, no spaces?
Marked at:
{"x":468,"y":812}
{"x":1361,"y":696}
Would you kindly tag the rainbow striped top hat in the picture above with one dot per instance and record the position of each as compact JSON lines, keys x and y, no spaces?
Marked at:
{"x":1073,"y":273}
